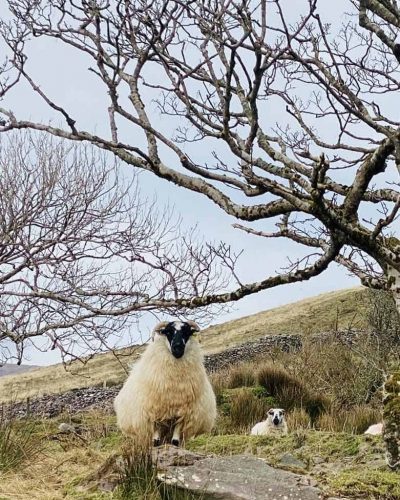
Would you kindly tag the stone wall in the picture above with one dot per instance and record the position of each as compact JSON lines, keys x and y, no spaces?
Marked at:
{"x":99,"y":397}
{"x":251,"y":350}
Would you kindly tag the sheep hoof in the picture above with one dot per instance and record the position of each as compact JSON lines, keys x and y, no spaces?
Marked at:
{"x":156,"y":442}
{"x":175,"y":442}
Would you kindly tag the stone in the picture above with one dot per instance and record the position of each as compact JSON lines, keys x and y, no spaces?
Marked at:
{"x":107,"y":477}
{"x":169,"y":456}
{"x":66,"y":428}
{"x":239,"y":477}
{"x":288,"y":460}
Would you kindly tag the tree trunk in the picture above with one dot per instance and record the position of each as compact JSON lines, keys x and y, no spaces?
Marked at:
{"x":391,"y":395}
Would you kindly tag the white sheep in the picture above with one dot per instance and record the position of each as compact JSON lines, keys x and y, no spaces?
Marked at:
{"x":167,"y":388}
{"x":274,"y":424}
{"x":375,"y":429}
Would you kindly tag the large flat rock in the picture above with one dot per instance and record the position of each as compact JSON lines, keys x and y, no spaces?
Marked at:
{"x":239,"y":477}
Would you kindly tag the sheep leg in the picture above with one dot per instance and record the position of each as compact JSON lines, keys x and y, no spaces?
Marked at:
{"x":176,"y":438}
{"x":156,"y":436}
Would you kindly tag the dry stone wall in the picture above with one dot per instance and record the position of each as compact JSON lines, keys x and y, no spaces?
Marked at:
{"x":78,"y":400}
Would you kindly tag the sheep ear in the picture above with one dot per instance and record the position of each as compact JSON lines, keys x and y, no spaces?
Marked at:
{"x":158,"y":328}
{"x":194,"y":326}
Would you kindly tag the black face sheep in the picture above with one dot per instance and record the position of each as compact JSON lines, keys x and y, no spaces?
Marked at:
{"x":167,"y":387}
{"x":274,"y":424}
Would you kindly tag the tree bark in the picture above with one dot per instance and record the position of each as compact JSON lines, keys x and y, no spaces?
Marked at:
{"x":391,"y":394}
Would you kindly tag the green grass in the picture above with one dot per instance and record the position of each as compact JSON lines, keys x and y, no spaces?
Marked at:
{"x":366,"y":483}
{"x":304,"y":445}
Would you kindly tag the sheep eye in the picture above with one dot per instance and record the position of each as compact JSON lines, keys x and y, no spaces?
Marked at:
{"x":270,"y":412}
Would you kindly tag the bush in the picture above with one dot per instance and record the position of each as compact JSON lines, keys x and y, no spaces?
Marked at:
{"x":247,"y":408}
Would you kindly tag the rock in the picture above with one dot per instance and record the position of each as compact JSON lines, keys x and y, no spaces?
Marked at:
{"x":108,"y":475}
{"x":66,"y":428}
{"x":239,"y":477}
{"x":169,"y":456}
{"x":288,"y":460}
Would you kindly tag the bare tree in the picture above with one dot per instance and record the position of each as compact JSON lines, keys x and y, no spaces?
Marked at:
{"x":82,"y":256}
{"x":302,"y":108}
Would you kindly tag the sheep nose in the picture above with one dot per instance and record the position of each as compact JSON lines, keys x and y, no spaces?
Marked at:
{"x":178,"y":349}
{"x":276,"y":420}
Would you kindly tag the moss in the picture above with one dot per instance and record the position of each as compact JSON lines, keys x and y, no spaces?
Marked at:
{"x":367,"y":483}
{"x":391,"y":415}
{"x":392,"y":385}
{"x":304,"y":445}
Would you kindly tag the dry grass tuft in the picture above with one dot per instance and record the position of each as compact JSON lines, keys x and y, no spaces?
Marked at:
{"x":18,"y":443}
{"x":298,"y":419}
{"x":355,"y":420}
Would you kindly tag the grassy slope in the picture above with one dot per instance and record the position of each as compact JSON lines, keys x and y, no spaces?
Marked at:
{"x":339,"y":309}
{"x":334,"y":310}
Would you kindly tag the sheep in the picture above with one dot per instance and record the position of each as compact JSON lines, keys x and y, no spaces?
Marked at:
{"x":167,"y":388}
{"x":274,"y":424}
{"x":375,"y":429}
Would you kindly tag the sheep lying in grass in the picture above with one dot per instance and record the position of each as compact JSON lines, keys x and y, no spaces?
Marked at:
{"x":374,"y":430}
{"x":274,"y":424}
{"x":167,"y":388}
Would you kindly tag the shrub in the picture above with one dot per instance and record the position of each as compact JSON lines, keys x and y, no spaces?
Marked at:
{"x":241,"y":408}
{"x":276,"y":380}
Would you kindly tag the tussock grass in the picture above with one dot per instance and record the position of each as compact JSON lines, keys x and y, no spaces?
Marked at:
{"x":139,"y":481}
{"x":18,"y":443}
{"x":243,"y":404}
{"x":355,"y":420}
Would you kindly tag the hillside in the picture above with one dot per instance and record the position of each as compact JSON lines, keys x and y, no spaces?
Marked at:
{"x":340,"y":309}
{"x":6,"y":370}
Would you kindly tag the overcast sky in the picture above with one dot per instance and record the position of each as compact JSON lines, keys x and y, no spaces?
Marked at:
{"x":64,"y":76}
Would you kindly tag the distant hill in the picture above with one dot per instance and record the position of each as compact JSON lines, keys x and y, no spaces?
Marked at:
{"x":334,"y":310}
{"x":15,"y":370}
